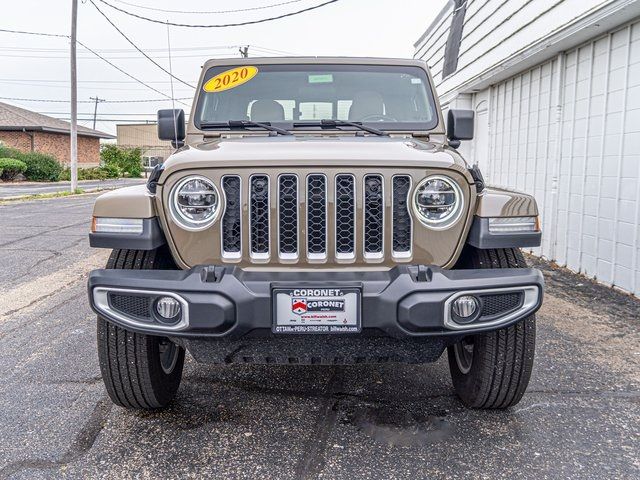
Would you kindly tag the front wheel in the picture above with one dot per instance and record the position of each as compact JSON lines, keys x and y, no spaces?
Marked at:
{"x":139,"y":371}
{"x":492,"y":370}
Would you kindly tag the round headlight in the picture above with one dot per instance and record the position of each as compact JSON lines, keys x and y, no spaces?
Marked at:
{"x":437,"y":202}
{"x":195,"y":203}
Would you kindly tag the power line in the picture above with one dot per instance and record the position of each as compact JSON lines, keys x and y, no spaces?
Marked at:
{"x":111,"y":51}
{"x":17,"y":99}
{"x":264,"y":7}
{"x":59,"y":35}
{"x":105,"y":120}
{"x":124,"y":50}
{"x":120,"y":114}
{"x":91,"y":87}
{"x":46,"y":100}
{"x":271,"y":50}
{"x":139,"y":49}
{"x":22,"y":80}
{"x":224,"y":25}
{"x":128,"y":74}
{"x":97,"y":55}
{"x":46,"y":57}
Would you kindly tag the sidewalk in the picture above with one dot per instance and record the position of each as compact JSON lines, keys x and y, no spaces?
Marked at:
{"x":12,"y":190}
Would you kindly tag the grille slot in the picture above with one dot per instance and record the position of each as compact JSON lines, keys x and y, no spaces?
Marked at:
{"x":345,"y":216}
{"x":500,"y":303}
{"x":131,"y":305}
{"x":401,"y":221}
{"x":317,"y":216}
{"x":373,"y":216}
{"x":232,"y":221}
{"x":288,"y":216}
{"x":259,"y":216}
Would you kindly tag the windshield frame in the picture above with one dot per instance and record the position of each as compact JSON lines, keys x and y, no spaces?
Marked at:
{"x":326,"y":64}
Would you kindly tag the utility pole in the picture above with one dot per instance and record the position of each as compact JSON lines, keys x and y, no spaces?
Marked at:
{"x":244,"y":51}
{"x":95,"y":109}
{"x":74,"y":97}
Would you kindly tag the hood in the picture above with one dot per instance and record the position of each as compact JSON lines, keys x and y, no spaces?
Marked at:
{"x":291,"y":151}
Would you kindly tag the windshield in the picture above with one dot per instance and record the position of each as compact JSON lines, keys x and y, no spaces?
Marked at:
{"x":387,"y":97}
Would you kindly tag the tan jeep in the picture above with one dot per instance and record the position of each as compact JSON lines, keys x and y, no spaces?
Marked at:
{"x":315,"y":211}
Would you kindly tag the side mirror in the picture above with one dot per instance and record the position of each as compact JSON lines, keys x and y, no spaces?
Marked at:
{"x":459,"y":126}
{"x":171,"y":126}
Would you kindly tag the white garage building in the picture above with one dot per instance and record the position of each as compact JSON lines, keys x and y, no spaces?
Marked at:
{"x":556,"y":89}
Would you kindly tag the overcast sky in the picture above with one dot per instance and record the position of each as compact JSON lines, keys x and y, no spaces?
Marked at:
{"x":38,"y":67}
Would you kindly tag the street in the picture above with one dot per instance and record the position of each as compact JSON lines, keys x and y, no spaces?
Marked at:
{"x":8,"y":190}
{"x":580,"y":417}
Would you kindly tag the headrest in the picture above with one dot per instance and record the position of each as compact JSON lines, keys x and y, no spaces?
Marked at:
{"x":267,"y":111}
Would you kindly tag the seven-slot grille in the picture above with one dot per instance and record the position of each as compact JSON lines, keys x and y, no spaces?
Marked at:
{"x":308,"y":210}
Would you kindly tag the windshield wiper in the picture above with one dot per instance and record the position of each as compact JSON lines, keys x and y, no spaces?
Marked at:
{"x":343,"y":123}
{"x":245,"y":124}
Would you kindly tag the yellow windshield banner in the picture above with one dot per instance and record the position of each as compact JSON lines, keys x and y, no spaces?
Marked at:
{"x":230,"y":79}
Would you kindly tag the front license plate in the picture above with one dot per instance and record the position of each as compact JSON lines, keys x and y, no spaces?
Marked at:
{"x":316,"y":310}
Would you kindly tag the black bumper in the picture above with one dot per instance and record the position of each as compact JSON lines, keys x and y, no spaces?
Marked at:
{"x":231,"y":303}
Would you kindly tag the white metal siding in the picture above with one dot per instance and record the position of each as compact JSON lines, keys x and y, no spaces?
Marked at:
{"x":587,"y":185}
{"x":497,"y":32}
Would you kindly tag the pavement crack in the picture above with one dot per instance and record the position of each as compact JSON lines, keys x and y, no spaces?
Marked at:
{"x":588,"y":393}
{"x":39,"y":299}
{"x":80,"y":446}
{"x":82,"y":381}
{"x":43,"y":314}
{"x":311,"y":464}
{"x":28,"y":237}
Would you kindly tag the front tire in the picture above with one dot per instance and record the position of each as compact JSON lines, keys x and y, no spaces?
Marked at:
{"x":139,"y":371}
{"x":492,"y":370}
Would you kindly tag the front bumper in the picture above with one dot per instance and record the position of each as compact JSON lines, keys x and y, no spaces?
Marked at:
{"x":231,"y":303}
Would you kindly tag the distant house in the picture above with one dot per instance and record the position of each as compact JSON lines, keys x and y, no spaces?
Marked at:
{"x":29,"y":131}
{"x":145,"y":137}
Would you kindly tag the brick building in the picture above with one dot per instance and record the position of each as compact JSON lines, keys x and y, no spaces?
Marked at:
{"x":29,"y":131}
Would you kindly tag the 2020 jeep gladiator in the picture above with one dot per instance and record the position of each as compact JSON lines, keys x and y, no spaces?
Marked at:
{"x":315,"y":211}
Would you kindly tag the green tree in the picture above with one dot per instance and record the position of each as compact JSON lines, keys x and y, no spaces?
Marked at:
{"x":127,"y":160}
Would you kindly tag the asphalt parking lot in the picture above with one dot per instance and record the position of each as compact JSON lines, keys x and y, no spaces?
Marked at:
{"x":580,"y":417}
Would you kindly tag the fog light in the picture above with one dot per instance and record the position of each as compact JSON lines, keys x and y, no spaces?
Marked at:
{"x":465,"y":306}
{"x":168,"y":307}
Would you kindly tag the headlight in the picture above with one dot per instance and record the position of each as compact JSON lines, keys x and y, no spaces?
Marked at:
{"x":195,"y":203}
{"x":438,"y":202}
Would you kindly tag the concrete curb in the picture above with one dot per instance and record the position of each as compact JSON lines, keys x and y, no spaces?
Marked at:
{"x":55,"y":195}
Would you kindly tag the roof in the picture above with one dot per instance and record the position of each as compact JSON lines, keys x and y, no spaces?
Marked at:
{"x":435,"y":24}
{"x":311,"y":60}
{"x":14,"y":118}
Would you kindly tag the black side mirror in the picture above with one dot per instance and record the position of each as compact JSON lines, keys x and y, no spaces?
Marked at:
{"x":171,"y":126}
{"x":459,"y":126}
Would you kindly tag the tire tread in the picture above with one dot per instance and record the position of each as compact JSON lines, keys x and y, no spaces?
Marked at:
{"x":125,"y":357}
{"x":506,"y":355}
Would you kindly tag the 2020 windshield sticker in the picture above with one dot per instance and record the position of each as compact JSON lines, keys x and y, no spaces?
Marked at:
{"x":230,"y":79}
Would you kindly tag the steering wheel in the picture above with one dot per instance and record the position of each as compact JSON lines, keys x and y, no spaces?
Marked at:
{"x":378,"y":118}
